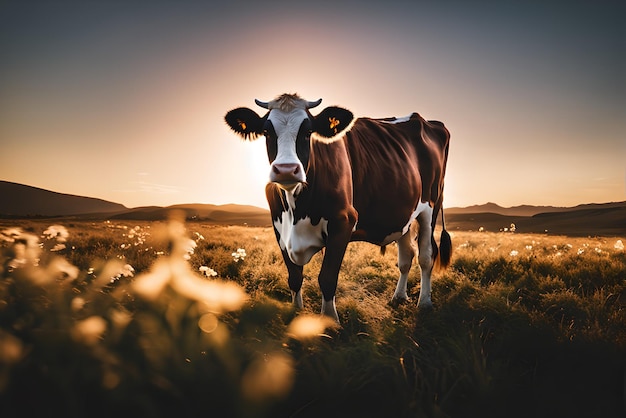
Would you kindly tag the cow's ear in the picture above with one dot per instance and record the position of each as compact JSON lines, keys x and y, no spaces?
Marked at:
{"x":331,"y":121}
{"x":245,"y":122}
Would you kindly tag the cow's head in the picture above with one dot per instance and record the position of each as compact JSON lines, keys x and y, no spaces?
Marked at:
{"x":287,"y":127}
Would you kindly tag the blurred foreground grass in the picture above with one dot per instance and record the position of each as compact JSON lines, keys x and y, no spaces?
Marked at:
{"x":167,"y":319}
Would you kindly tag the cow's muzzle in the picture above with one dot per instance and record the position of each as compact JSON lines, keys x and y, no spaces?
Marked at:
{"x":287,"y":176}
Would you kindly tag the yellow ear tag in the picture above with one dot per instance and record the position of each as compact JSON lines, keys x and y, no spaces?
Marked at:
{"x":242,"y":124}
{"x":333,"y":124}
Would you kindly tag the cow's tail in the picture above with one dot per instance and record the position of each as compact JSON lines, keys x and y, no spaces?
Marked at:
{"x":444,"y":254}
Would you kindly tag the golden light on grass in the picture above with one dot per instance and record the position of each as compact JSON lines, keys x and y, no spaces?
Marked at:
{"x":208,"y":322}
{"x":215,"y":296}
{"x":270,"y":376}
{"x":90,"y":330}
{"x":571,"y":285}
{"x":11,"y":351}
{"x":307,"y":326}
{"x":150,"y":285}
{"x":60,"y":269}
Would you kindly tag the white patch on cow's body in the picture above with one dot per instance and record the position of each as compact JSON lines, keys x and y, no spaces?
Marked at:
{"x":302,"y":239}
{"x":287,"y":125}
{"x":398,"y":120}
{"x":395,"y":236}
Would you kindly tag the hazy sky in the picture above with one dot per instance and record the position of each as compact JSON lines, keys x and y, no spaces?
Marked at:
{"x":124,"y":100}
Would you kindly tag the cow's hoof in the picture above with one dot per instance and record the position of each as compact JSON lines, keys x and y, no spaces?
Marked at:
{"x":395,"y":302}
{"x":425,"y":306}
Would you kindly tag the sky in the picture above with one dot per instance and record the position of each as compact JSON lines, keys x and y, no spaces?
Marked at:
{"x":125,"y":100}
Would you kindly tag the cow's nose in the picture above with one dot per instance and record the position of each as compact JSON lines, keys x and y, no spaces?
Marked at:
{"x":286,"y":169}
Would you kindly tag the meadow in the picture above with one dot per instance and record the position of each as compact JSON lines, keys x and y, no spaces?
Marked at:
{"x":186,"y":319}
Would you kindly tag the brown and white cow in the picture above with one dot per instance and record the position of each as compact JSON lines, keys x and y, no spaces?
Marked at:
{"x":335,"y":179}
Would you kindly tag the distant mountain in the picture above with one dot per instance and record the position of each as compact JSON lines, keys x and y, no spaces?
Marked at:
{"x":523,"y":210}
{"x":608,"y":219}
{"x":19,"y":200}
{"x":528,"y":210}
{"x":229,"y":214}
{"x":594,"y":219}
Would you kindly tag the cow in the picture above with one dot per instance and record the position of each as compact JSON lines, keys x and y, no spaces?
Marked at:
{"x":335,"y":179}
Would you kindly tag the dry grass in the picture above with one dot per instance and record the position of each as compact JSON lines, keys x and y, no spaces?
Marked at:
{"x":523,"y":325}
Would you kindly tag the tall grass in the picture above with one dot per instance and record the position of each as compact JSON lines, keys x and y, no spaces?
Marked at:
{"x":161,"y":319}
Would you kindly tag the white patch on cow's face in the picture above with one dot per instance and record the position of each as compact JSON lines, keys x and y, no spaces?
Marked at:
{"x":394,"y":236}
{"x":302,"y":240}
{"x":286,"y":125}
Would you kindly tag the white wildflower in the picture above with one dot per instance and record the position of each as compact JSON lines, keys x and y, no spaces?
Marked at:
{"x":58,"y":247}
{"x":207,"y":271}
{"x":240,"y":254}
{"x":189,"y":247}
{"x":513,"y":253}
{"x":10,"y":234}
{"x":619,"y":245}
{"x":127,"y":270}
{"x":56,"y":232}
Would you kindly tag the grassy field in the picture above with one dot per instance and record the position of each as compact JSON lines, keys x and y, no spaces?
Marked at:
{"x":154,"y":319}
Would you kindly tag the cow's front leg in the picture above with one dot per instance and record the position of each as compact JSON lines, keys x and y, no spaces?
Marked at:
{"x":294,"y":280}
{"x":338,"y":237}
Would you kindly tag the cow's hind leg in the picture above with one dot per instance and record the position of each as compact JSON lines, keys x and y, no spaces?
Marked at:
{"x":406,"y":252}
{"x":426,"y":260}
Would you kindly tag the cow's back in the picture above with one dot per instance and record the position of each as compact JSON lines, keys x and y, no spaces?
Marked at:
{"x":395,"y":165}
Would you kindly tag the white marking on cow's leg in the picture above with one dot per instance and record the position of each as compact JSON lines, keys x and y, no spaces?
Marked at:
{"x":296,"y":299}
{"x":405,"y":260}
{"x":330,"y":309}
{"x":425,"y":256}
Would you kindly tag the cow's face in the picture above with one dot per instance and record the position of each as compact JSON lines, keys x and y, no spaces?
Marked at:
{"x":287,"y":128}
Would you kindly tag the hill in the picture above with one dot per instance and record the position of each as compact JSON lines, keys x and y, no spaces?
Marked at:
{"x":19,"y":200}
{"x":595,"y":219}
{"x":589,"y":219}
{"x":527,"y":210}
{"x":230,"y":214}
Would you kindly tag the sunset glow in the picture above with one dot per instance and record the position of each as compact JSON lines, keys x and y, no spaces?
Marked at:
{"x":124,"y":101}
